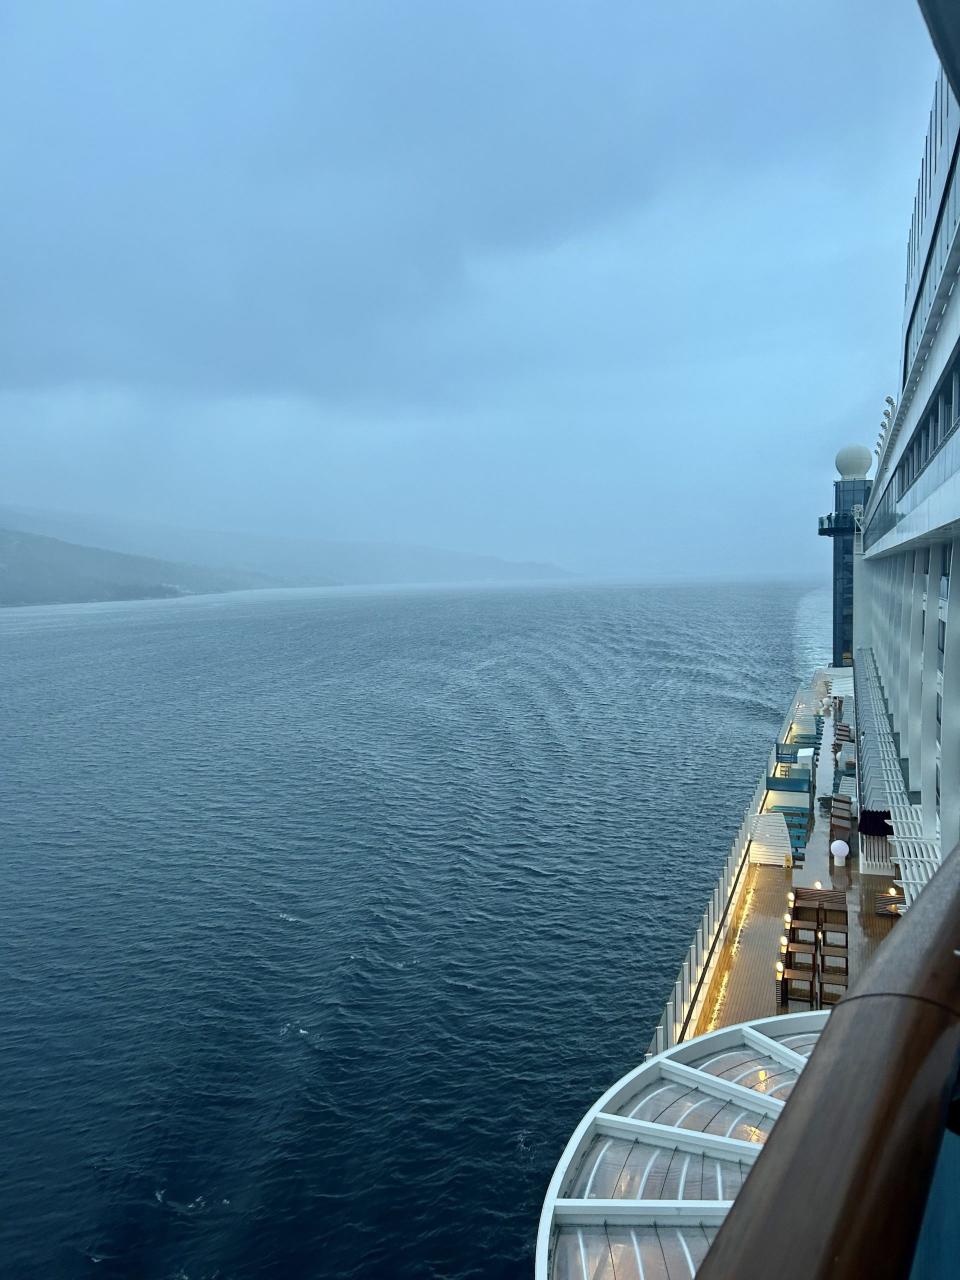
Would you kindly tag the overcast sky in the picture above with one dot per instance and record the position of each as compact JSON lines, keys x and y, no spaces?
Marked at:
{"x":599,"y":283}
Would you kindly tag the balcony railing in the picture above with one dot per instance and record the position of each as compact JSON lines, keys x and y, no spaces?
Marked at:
{"x":861,"y":1175}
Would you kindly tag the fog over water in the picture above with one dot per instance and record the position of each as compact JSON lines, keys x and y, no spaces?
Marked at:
{"x":556,"y":282}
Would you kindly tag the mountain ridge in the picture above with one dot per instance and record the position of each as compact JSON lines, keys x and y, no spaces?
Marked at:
{"x":257,"y":559}
{"x":36,"y":569}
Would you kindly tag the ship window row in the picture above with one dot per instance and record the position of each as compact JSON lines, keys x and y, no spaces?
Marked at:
{"x":930,"y":437}
{"x":929,"y":165}
{"x":933,"y":271}
{"x":931,"y":433}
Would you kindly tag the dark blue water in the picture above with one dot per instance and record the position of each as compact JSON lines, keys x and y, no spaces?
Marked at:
{"x":324,"y":916}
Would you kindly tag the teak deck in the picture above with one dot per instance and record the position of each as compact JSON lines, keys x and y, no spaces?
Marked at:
{"x":745,"y":984}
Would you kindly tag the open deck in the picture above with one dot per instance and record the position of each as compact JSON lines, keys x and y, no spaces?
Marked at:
{"x":744,"y":982}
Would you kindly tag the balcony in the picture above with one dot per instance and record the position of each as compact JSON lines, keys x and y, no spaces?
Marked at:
{"x":836,"y":523}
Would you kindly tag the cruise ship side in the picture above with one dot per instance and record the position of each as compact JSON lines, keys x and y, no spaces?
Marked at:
{"x":797,"y":1111}
{"x":903,"y":638}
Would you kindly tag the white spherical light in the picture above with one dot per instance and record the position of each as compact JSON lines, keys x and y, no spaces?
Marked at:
{"x":839,"y":848}
{"x":853,"y":462}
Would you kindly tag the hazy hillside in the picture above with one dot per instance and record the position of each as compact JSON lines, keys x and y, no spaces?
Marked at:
{"x":293,"y":561}
{"x":40,"y":570}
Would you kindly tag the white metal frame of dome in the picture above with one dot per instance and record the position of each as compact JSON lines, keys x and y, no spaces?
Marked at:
{"x":607,"y":1122}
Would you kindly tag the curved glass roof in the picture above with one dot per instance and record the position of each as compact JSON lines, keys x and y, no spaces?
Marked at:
{"x":653,"y":1167}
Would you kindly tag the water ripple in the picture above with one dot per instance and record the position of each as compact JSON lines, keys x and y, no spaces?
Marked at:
{"x":325,"y":915}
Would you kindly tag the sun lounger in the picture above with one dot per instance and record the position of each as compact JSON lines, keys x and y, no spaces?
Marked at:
{"x":830,"y":952}
{"x":797,"y":977}
{"x":834,"y":981}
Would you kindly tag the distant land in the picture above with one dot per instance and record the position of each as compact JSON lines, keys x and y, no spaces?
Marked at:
{"x":38,"y":570}
{"x":51,"y":557}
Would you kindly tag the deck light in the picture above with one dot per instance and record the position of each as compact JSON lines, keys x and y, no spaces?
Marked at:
{"x":779,"y":966}
{"x":892,"y":891}
{"x":817,"y":884}
{"x":783,"y":940}
{"x":786,"y":917}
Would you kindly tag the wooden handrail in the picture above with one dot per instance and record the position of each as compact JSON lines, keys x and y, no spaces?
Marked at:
{"x":840,"y":1188}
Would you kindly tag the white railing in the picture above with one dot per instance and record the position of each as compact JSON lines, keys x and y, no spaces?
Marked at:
{"x":695,"y":978}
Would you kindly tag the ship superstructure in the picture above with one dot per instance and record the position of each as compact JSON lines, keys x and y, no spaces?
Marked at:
{"x":812,"y":1037}
{"x":906,"y":649}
